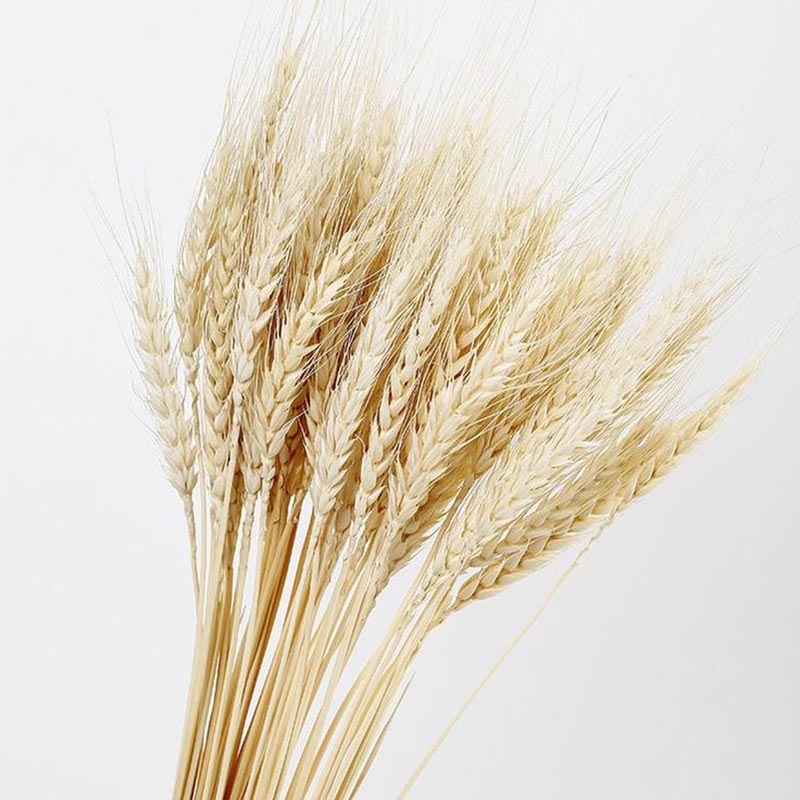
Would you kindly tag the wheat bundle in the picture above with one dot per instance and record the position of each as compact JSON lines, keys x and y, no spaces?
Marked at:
{"x":384,"y":352}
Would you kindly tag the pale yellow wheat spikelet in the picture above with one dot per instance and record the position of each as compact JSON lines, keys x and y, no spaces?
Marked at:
{"x":645,"y":457}
{"x":160,"y":376}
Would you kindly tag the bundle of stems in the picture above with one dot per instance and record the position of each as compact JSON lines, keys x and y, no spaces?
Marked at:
{"x":386,"y":351}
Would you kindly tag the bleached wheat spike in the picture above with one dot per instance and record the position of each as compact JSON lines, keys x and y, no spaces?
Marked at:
{"x":386,"y":425}
{"x":384,"y":324}
{"x":394,"y":347}
{"x":646,"y":456}
{"x":160,"y":376}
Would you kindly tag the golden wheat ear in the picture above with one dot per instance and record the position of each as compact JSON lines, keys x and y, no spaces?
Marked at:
{"x":388,"y":350}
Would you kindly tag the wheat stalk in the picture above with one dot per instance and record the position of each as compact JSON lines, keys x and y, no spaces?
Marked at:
{"x":387,"y":350}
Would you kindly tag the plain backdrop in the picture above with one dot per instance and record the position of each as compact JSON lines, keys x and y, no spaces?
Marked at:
{"x":668,"y":665}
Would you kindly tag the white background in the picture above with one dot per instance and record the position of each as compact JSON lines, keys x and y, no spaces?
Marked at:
{"x":666,"y":668}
